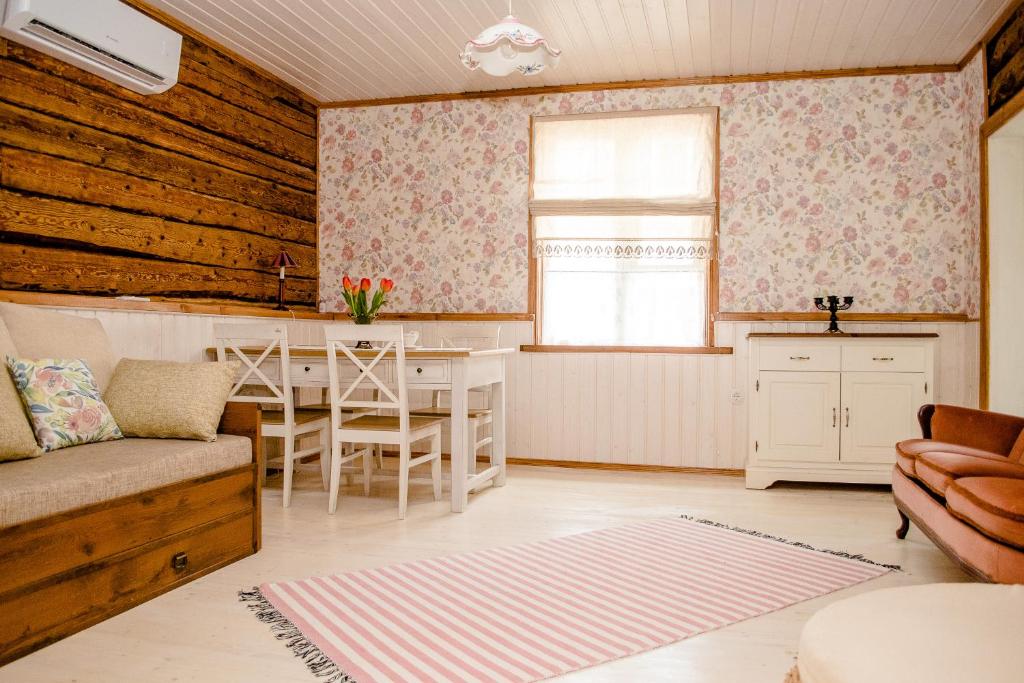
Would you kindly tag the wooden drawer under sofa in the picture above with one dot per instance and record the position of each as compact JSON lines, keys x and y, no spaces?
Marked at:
{"x":63,"y":573}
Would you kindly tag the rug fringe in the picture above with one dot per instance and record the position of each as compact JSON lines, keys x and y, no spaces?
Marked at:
{"x":319,"y":664}
{"x":798,"y":544}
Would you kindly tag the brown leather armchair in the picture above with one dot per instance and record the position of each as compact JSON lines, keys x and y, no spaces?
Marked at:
{"x":962,"y":484}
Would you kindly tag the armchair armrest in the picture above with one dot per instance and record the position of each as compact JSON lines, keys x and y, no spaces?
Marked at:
{"x":993,"y":432}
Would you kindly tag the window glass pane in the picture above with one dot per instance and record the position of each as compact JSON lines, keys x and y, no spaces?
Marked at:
{"x":624,"y":302}
{"x":624,"y":227}
{"x":666,"y":155}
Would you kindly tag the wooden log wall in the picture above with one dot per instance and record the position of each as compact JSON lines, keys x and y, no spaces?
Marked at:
{"x":1004,"y":60}
{"x":189,"y":194}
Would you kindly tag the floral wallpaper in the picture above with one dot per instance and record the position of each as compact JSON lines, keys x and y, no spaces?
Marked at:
{"x":864,"y":186}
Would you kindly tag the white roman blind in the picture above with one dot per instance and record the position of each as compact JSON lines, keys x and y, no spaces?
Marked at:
{"x":624,"y":211}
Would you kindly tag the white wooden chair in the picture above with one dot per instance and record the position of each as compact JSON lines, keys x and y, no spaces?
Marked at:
{"x":478,"y":338}
{"x":401,"y":430}
{"x":288,"y":423}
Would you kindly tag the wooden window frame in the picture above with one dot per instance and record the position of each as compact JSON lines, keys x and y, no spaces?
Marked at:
{"x":535,"y":304}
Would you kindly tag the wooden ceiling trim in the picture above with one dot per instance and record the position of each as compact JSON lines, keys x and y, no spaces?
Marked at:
{"x":657,"y":83}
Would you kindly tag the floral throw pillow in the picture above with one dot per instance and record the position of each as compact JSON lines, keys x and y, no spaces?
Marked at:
{"x":62,"y":402}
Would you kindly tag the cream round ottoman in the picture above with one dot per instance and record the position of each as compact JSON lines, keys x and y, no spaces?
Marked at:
{"x":936,"y":633}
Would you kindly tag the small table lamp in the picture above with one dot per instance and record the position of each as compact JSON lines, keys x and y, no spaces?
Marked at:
{"x":282,"y":261}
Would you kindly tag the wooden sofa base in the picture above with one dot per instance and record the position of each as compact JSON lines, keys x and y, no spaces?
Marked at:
{"x":978,"y":555}
{"x":64,"y":573}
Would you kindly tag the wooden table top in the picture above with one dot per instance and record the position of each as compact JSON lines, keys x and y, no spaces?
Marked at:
{"x":422,"y":353}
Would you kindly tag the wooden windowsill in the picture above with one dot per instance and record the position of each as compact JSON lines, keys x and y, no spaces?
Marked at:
{"x":688,"y":350}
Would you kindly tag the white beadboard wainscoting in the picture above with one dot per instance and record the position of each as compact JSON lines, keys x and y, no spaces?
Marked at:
{"x":627,"y":408}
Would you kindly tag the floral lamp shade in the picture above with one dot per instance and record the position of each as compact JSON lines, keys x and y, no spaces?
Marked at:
{"x":507,"y":47}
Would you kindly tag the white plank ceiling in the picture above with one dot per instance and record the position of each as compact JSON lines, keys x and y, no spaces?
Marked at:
{"x":360,"y":49}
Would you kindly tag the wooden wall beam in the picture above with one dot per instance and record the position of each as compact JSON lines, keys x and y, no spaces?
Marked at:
{"x":48,"y":175}
{"x":79,"y":272}
{"x":35,"y":131}
{"x":32,"y":89}
{"x":23,"y":218}
{"x":291,"y":151}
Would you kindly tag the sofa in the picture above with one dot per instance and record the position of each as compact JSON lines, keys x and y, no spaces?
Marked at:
{"x":962,"y":484}
{"x":89,"y":531}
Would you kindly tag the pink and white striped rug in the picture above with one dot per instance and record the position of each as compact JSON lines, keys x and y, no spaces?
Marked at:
{"x":534,"y":611}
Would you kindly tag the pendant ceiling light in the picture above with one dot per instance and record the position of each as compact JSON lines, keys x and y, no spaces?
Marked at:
{"x":509,"y":46}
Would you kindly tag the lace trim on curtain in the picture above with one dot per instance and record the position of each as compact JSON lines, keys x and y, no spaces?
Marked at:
{"x":624,"y":249}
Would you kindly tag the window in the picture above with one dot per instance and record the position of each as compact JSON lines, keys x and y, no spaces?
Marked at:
{"x":624,"y":213}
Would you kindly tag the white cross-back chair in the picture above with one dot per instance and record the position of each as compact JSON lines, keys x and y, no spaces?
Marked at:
{"x":351,"y":371}
{"x":266,"y":378}
{"x":478,"y":338}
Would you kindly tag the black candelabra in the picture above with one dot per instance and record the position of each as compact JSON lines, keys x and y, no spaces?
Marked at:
{"x":833,"y":306}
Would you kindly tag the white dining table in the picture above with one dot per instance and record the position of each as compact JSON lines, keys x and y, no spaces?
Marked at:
{"x":454,"y":370}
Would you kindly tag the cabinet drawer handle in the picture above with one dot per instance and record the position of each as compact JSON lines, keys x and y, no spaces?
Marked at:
{"x":419,"y":371}
{"x":883,"y":358}
{"x":799,"y":357}
{"x":179,"y":562}
{"x":306,"y":368}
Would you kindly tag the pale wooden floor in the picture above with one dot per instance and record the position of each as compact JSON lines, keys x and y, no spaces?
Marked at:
{"x":201,"y":633}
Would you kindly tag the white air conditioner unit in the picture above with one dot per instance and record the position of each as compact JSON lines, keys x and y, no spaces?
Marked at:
{"x":104,"y":37}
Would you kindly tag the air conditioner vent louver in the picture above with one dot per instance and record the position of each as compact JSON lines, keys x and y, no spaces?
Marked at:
{"x":104,"y":37}
{"x":105,"y":58}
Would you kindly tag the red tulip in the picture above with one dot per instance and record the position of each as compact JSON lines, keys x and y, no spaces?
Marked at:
{"x":387,"y":285}
{"x":346,"y":282}
{"x":365,"y":284}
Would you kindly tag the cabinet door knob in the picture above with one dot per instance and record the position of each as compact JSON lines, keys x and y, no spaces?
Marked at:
{"x":306,"y":368}
{"x":419,"y":371}
{"x":799,"y":357}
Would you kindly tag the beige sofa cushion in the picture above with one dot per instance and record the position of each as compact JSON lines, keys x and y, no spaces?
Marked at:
{"x":73,"y":477}
{"x":169,"y":400}
{"x":40,"y":333}
{"x":16,"y":438}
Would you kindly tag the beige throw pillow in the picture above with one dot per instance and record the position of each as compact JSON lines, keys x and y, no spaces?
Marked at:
{"x":169,"y":400}
{"x":42,"y":333}
{"x":17,"y":440}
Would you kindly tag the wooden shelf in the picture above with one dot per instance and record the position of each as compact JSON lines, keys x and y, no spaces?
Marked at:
{"x":848,"y":335}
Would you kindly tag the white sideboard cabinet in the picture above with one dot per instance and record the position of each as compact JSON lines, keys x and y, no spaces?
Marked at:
{"x":831,"y":407}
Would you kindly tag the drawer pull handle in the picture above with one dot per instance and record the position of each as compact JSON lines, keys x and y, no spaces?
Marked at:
{"x":799,"y":357}
{"x":306,"y":368}
{"x":419,"y":371}
{"x":179,"y":562}
{"x":886,"y":358}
